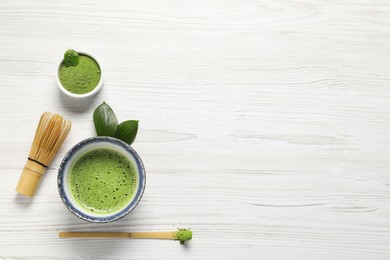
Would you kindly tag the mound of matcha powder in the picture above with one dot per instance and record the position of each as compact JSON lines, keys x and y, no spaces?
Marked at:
{"x":183,"y":235}
{"x":82,"y":78}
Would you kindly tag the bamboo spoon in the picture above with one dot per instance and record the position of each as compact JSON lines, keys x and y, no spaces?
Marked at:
{"x":182,"y":235}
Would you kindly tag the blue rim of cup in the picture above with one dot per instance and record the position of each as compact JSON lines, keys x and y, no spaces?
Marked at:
{"x":118,"y":215}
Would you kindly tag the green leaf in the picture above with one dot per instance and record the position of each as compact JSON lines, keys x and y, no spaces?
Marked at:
{"x":71,"y":58}
{"x":105,"y":120}
{"x":127,"y":131}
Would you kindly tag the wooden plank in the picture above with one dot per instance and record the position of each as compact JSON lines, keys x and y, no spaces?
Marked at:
{"x":264,"y":125}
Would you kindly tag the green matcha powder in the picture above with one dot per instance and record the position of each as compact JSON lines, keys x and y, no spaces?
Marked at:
{"x":183,"y":235}
{"x":82,"y":78}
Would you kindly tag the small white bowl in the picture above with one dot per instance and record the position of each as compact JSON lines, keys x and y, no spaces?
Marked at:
{"x":79,"y":96}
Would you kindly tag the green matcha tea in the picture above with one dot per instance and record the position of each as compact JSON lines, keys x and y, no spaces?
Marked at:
{"x":102,"y":181}
{"x":82,"y":78}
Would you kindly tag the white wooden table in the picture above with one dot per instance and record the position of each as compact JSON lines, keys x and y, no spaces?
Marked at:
{"x":264,"y":125}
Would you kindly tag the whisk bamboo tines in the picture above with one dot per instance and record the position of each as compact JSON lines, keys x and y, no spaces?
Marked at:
{"x":50,"y":134}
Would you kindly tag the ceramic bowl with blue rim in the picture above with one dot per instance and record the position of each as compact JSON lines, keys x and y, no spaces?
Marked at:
{"x":85,"y":189}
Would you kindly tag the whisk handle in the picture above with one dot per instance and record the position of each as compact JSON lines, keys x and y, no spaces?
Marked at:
{"x":30,"y":178}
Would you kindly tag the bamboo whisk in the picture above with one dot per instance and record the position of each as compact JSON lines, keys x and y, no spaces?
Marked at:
{"x":50,"y":134}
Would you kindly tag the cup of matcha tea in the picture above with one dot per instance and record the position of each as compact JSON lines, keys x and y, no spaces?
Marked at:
{"x":79,"y":75}
{"x":101,"y":179}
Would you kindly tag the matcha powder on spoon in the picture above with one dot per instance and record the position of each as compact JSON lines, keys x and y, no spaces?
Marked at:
{"x":183,"y":235}
{"x":81,"y":77}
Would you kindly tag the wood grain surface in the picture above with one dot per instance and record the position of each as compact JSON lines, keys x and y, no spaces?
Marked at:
{"x":264,"y":125}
